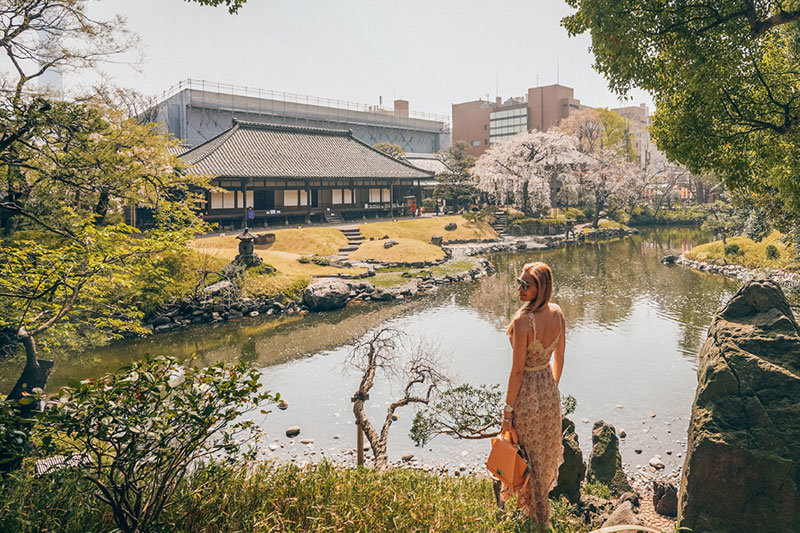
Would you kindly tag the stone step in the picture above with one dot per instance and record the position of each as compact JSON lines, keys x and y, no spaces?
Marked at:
{"x":348,"y":249}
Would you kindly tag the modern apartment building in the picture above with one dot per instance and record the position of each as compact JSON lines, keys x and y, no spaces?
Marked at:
{"x":482,"y":122}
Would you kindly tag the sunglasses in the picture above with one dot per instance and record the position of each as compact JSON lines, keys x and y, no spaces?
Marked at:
{"x":522,"y":283}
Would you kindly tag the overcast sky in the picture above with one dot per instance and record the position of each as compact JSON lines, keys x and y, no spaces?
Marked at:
{"x":430,"y":52}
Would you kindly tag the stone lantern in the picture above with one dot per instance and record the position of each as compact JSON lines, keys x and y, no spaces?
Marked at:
{"x":247,"y":254}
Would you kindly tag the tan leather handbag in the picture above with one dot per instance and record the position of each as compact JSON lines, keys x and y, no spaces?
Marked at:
{"x":506,"y":461}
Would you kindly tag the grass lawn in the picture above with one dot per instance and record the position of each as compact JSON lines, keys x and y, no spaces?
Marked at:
{"x":605,"y":224}
{"x":422,"y":229}
{"x":320,"y":241}
{"x":405,"y":251}
{"x":751,"y":254}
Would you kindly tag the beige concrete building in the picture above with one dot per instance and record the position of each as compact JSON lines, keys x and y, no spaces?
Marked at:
{"x":482,"y":122}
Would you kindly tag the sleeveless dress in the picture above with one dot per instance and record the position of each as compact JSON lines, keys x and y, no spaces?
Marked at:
{"x":537,"y":420}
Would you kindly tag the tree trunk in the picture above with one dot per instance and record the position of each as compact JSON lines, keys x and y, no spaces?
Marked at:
{"x":598,"y":205}
{"x":101,"y":208}
{"x":36,"y":370}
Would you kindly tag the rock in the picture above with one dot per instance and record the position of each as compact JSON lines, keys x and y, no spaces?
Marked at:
{"x":160,"y":321}
{"x":437,"y":240}
{"x":573,"y":469}
{"x":292,"y":431}
{"x":669,"y":259}
{"x":395,"y":418}
{"x":326,"y":294}
{"x":389,"y":244}
{"x":622,"y":434}
{"x":273,"y":447}
{"x":656,"y":462}
{"x":218,"y":287}
{"x":306,"y":441}
{"x":630,"y":497}
{"x":407,"y":456}
{"x":254,"y":313}
{"x":665,"y":498}
{"x":283,"y":405}
{"x":605,"y":462}
{"x":638,"y":450}
{"x":450,"y":226}
{"x":743,"y":462}
{"x":622,"y":516}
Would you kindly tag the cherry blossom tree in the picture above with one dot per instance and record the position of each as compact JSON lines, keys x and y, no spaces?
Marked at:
{"x":525,"y":169}
{"x":606,"y":178}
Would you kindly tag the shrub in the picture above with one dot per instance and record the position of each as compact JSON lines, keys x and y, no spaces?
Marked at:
{"x":731,"y":249}
{"x":771,"y":251}
{"x":575,"y":214}
{"x":429,"y":205}
{"x":538,"y":226}
{"x":145,"y":426}
{"x":596,"y":488}
{"x":15,"y":431}
{"x":316,"y":259}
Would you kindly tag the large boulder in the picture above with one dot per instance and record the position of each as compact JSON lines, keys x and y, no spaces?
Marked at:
{"x":572,"y":470}
{"x":605,"y":462}
{"x":326,"y":294}
{"x":742,"y":467}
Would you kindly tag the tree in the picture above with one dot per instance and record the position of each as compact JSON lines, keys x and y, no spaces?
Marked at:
{"x":457,"y":186}
{"x":724,"y":79}
{"x":724,"y":220}
{"x":418,"y":369}
{"x":392,"y":150}
{"x":77,"y":256}
{"x":525,"y":169}
{"x":600,"y":128}
{"x":604,"y":178}
{"x":67,"y":170}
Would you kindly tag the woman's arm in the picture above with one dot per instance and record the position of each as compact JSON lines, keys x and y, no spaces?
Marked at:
{"x":519,"y":343}
{"x":558,"y":360}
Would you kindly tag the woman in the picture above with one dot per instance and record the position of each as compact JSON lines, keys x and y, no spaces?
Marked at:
{"x":533,"y":404}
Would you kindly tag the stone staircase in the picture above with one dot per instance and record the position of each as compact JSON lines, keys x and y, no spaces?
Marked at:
{"x":333,"y":218}
{"x":354,"y":239}
{"x":500,"y":221}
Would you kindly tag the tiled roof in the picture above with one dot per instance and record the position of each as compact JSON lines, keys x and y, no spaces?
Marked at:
{"x":257,"y":150}
{"x":429,"y":162}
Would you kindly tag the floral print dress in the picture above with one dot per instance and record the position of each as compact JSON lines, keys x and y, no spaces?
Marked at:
{"x":537,"y":421}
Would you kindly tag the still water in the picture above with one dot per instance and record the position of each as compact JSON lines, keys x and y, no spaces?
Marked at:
{"x":634,"y":330}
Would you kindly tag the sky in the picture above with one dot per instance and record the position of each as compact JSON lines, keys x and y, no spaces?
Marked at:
{"x":432,"y":53}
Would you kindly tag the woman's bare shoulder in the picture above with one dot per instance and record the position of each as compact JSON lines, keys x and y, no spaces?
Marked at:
{"x":521,"y":322}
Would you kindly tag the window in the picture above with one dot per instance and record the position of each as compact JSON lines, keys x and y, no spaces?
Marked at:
{"x":250,"y":199}
{"x":303,"y":197}
{"x":374,"y":195}
{"x":485,"y":126}
{"x":337,"y":197}
{"x":386,"y":196}
{"x":290,"y":197}
{"x":486,"y":141}
{"x":216,"y":200}
{"x":476,"y":143}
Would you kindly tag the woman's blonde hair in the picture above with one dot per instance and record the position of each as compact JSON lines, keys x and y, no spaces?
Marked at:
{"x":543,"y":277}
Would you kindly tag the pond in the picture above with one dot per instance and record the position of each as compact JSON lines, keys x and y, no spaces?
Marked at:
{"x":634,"y":331}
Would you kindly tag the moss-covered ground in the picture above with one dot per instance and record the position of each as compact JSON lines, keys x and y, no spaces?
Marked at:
{"x":750,"y":254}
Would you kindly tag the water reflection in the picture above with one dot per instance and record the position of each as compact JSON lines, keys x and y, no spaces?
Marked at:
{"x":598,"y":285}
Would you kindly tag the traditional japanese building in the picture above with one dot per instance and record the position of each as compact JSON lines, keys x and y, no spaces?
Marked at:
{"x":290,"y":174}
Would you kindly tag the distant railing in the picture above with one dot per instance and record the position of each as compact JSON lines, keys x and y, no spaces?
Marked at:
{"x":282,"y":96}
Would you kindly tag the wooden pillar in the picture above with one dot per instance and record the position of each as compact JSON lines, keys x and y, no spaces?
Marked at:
{"x":308,"y":204}
{"x":244,"y":204}
{"x":391,"y":199}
